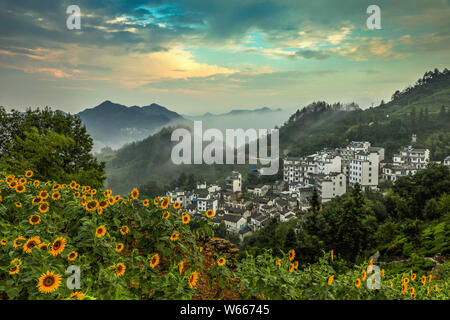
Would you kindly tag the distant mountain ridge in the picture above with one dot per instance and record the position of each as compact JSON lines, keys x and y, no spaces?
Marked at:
{"x":235,"y":112}
{"x":112,"y":124}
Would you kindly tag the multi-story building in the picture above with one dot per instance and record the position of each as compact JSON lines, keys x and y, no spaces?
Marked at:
{"x":234,"y":182}
{"x":392,"y":171}
{"x":364,"y":169}
{"x":180,"y":196}
{"x":206,"y":201}
{"x":417,"y":158}
{"x":331,"y":185}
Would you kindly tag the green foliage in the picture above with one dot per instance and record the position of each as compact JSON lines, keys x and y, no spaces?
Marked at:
{"x":54,"y":145}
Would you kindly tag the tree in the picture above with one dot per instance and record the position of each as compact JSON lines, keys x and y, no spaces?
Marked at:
{"x":291,"y":240}
{"x":314,"y":201}
{"x":29,"y":137}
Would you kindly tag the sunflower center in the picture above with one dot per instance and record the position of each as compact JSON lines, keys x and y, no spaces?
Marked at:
{"x":49,"y":281}
{"x":57,"y":245}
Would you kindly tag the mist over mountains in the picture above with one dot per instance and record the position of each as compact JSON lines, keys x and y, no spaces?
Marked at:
{"x":114,"y":125}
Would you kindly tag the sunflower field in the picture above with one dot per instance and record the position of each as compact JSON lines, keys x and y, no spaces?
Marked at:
{"x":125,"y":247}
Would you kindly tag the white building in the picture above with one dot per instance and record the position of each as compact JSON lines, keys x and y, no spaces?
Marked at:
{"x":259,"y":190}
{"x":417,"y":158}
{"x":364,"y":169}
{"x":447,"y":161}
{"x":206,"y":201}
{"x":178,"y":195}
{"x":331,"y":185}
{"x":391,"y":171}
{"x":234,"y":182}
{"x":234,"y":223}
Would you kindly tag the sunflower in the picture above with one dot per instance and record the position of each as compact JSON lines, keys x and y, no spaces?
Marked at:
{"x":17,"y":242}
{"x":22,"y":181}
{"x":146,"y":202}
{"x":120,"y":269}
{"x":29,"y":174}
{"x":166,"y":214}
{"x":221,"y":261}
{"x":119,"y":247}
{"x":291,"y":267}
{"x":155,"y":201}
{"x":76,"y":295}
{"x":291,"y":254}
{"x":16,"y":261}
{"x":58,"y":246}
{"x":14,"y":269}
{"x":20,"y":188}
{"x":43,"y":194}
{"x":124,"y":230}
{"x":412,"y":292}
{"x":36,"y":199}
{"x":56,"y":187}
{"x":103,"y":203}
{"x":413,"y":276}
{"x":49,"y":282}
{"x":404,"y":287}
{"x":210,"y":213}
{"x":31,"y":243}
{"x":278,"y":263}
{"x":180,"y":269}
{"x":296,"y":265}
{"x":35,"y":219}
{"x":382,"y":272}
{"x":134,"y":194}
{"x":43,"y":207}
{"x":1,"y":198}
{"x":391,"y":284}
{"x":193,"y":279}
{"x":177,"y":205}
{"x":174,"y":236}
{"x":3,"y":242}
{"x":363,"y":275}
{"x":406,"y":280}
{"x":332,"y":255}
{"x":107,"y":193}
{"x":18,"y":205}
{"x":72,"y":256}
{"x":165,"y":203}
{"x":56,"y":195}
{"x":358,"y":283}
{"x":436,"y":288}
{"x":111,"y":201}
{"x":431,"y":277}
{"x":77,"y":187}
{"x":424,"y":280}
{"x":91,"y":205}
{"x":13,"y":184}
{"x":186,"y":218}
{"x":100,"y":232}
{"x":330,"y":280}
{"x":154,"y":261}
{"x":36,"y":183}
{"x":43,"y":246}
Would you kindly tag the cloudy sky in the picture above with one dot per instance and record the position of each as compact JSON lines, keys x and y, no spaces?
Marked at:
{"x":198,"y":56}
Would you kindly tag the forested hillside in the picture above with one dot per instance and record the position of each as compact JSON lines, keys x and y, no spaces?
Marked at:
{"x":422,"y":109}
